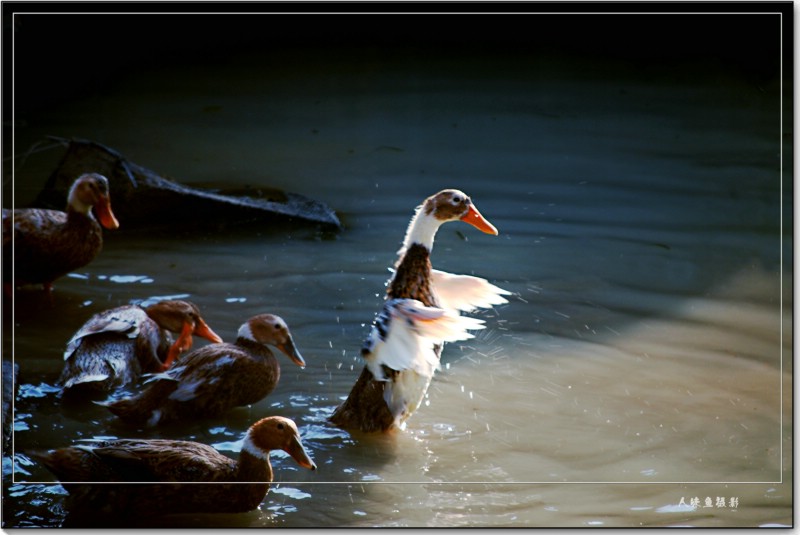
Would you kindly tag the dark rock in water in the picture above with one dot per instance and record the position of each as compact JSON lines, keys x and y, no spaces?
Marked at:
{"x":10,"y":372}
{"x":142,"y":198}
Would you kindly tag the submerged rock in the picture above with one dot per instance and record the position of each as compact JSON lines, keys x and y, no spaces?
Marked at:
{"x":142,"y":198}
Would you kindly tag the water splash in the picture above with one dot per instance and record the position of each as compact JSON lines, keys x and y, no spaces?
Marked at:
{"x":676,"y":508}
{"x":291,"y":492}
{"x":37,"y":391}
{"x":152,"y":300}
{"x":234,"y":446}
{"x":127,"y":279}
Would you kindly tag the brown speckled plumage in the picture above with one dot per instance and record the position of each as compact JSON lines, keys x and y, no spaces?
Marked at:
{"x":114,"y":347}
{"x":412,"y":279}
{"x":214,"y":379}
{"x":48,"y":244}
{"x":171,"y":462}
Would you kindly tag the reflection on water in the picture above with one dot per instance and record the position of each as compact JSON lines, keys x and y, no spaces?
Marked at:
{"x":644,"y":360}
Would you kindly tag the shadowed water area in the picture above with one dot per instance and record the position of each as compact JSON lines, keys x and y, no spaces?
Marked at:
{"x":643,"y":360}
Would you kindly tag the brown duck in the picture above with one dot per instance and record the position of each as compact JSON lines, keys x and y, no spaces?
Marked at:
{"x":168,"y":463}
{"x":48,"y":244}
{"x":213,"y":379}
{"x":116,"y":346}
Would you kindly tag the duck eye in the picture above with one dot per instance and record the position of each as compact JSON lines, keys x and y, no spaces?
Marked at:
{"x":280,"y":426}
{"x":457,"y":200}
{"x":278,"y":326}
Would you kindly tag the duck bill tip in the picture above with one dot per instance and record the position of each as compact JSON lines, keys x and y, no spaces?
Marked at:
{"x":474,"y":218}
{"x":310,"y":465}
{"x":297,"y":452}
{"x":289,"y":349}
{"x":203,"y":330}
{"x":106,"y":215}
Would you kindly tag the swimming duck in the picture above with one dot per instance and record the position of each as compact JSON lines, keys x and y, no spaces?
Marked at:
{"x":116,"y":346}
{"x":421,"y":312}
{"x":172,"y":461}
{"x":47,"y":244}
{"x":213,"y":379}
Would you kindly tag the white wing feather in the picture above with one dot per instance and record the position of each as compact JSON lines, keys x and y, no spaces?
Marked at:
{"x":402,"y":350}
{"x":406,"y":333}
{"x":436,"y":324}
{"x":412,"y":332}
{"x":464,"y":292}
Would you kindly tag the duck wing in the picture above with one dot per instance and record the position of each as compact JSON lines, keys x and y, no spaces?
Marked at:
{"x":35,"y":232}
{"x":27,"y":222}
{"x":162,"y":460}
{"x":99,"y":365}
{"x":166,"y":394}
{"x":125,"y":321}
{"x":464,"y":292}
{"x":197,"y":374}
{"x":403,"y":350}
{"x":218,"y":377}
{"x":406,"y":333}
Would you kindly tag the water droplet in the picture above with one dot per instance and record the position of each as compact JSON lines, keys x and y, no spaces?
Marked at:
{"x":127,"y":279}
{"x":291,"y":492}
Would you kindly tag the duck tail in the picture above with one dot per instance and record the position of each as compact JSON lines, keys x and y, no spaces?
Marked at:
{"x":147,"y":408}
{"x":129,"y":410}
{"x":87,"y":386}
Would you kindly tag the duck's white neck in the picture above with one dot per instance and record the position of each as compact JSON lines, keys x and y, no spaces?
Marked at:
{"x":77,"y":205}
{"x":421,"y":230}
{"x":245,"y":332}
{"x":252,"y":449}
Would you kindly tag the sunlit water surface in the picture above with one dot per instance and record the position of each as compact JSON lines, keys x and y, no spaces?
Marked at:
{"x":644,"y":360}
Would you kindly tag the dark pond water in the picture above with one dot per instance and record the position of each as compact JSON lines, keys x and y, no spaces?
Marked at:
{"x":644,"y":359}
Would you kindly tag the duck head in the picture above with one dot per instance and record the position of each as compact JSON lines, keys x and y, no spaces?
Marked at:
{"x":91,"y":190}
{"x":452,"y":205}
{"x":272,"y":330}
{"x":447,"y":205}
{"x":276,"y":433}
{"x":180,"y":317}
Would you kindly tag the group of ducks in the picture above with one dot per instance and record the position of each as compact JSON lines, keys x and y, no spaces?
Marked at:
{"x":126,"y":344}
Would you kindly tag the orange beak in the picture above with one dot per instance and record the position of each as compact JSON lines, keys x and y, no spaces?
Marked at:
{"x":202,"y":329}
{"x":105,"y":215}
{"x":291,"y":351}
{"x":298,"y":452}
{"x":184,"y":341}
{"x":474,"y":218}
